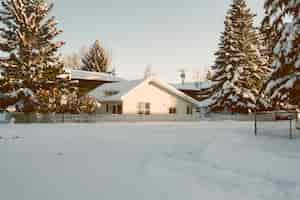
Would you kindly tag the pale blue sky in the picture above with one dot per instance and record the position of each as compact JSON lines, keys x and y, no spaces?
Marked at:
{"x":168,"y":34}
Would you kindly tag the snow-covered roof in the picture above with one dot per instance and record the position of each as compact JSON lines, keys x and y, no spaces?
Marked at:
{"x":92,"y":76}
{"x":205,"y":103}
{"x":194,"y":85}
{"x":174,"y":90}
{"x":117,"y":91}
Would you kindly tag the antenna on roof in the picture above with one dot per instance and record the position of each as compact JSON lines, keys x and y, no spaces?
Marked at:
{"x":113,"y":72}
{"x":197,"y":78}
{"x":182,"y":75}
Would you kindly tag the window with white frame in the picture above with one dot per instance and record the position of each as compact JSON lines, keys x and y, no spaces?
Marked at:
{"x":117,"y":109}
{"x":144,"y":108}
{"x":147,"y":108}
{"x":107,"y":107}
{"x":172,"y":110}
{"x":189,"y":110}
{"x":111,"y":92}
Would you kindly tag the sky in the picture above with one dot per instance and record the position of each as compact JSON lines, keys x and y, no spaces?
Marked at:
{"x":168,"y":35}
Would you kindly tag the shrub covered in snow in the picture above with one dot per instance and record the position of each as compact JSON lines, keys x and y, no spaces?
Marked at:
{"x":89,"y":104}
{"x":58,"y":101}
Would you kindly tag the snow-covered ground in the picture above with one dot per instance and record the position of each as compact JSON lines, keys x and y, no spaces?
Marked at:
{"x":148,"y":161}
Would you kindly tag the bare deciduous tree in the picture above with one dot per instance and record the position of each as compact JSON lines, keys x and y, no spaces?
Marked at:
{"x":72,"y":61}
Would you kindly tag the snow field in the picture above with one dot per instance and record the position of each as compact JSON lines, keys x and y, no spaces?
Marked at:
{"x":203,"y":160}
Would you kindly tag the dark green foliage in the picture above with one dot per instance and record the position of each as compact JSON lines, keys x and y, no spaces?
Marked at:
{"x":31,"y":61}
{"x":96,"y":59}
{"x":240,"y":69}
{"x":283,"y":19}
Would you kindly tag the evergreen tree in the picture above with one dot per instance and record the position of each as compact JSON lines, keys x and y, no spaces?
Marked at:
{"x":96,"y":59}
{"x":267,"y":36}
{"x":283,"y":17}
{"x":31,"y":64}
{"x":239,"y":69}
{"x":208,"y":75}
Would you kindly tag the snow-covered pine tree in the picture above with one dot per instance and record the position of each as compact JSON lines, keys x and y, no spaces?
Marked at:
{"x":96,"y":59}
{"x":267,"y":37}
{"x":239,"y":68}
{"x":31,"y":62}
{"x":284,"y":20}
{"x":208,"y":75}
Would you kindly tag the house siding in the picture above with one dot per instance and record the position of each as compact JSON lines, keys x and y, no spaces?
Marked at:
{"x":107,"y":108}
{"x":161,"y":101}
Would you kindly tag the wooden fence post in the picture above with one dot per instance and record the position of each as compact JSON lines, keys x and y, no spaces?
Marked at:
{"x":255,"y":124}
{"x":291,"y":128}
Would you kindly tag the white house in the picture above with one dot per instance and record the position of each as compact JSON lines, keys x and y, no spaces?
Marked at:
{"x":146,"y":96}
{"x":198,"y":90}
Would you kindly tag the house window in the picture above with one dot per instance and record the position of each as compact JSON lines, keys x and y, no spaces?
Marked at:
{"x":140,"y":108}
{"x":144,"y":108}
{"x":110,"y":92}
{"x":189,"y":110}
{"x":117,"y":109}
{"x":147,"y":108}
{"x":120,"y":109}
{"x":114,"y":109}
{"x":172,"y":110}
{"x":107,"y":108}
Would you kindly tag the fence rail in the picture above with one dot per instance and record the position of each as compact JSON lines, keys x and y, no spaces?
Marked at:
{"x":93,"y":118}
